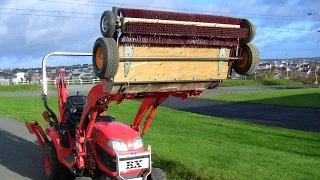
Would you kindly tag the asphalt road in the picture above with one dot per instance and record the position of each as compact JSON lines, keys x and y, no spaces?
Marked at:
{"x":304,"y":119}
{"x":20,"y":155}
{"x":223,"y":90}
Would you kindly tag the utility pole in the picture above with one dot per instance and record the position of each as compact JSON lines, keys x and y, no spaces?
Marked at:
{"x":290,"y":69}
{"x":316,"y":69}
{"x":287,"y":66}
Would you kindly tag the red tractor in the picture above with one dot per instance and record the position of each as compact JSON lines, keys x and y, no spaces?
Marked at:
{"x":84,"y":141}
{"x":161,"y":58}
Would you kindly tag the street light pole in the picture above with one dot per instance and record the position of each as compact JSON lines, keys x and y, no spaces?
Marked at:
{"x":316,"y":69}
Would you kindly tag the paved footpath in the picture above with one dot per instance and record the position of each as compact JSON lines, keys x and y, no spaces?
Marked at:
{"x":304,"y":119}
{"x":20,"y":155}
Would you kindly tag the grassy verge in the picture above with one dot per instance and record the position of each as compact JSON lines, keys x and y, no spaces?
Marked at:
{"x":288,"y":97}
{"x":191,"y":146}
{"x":25,"y":88}
{"x":284,"y":82}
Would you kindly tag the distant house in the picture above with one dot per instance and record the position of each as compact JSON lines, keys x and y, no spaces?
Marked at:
{"x":86,"y":75}
{"x":263,"y":66}
{"x":33,"y":78}
{"x":19,"y":77}
{"x":1,"y":79}
{"x":75,"y":74}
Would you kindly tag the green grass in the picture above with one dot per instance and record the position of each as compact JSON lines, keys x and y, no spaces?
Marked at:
{"x":309,"y":97}
{"x":191,"y":146}
{"x":25,"y":88}
{"x":265,"y":82}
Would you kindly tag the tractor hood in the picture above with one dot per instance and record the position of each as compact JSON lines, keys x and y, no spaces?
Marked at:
{"x":104,"y":132}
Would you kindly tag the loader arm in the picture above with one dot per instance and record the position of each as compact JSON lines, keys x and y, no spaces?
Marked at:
{"x":93,"y":107}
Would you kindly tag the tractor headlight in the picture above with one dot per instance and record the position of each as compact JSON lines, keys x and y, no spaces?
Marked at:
{"x":138,"y":143}
{"x":117,"y":145}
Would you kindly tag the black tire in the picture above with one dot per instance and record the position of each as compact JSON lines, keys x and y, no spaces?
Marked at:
{"x":108,"y":24}
{"x":107,"y":47}
{"x":157,"y":174}
{"x":57,"y":170}
{"x":252,"y":31}
{"x":249,"y":63}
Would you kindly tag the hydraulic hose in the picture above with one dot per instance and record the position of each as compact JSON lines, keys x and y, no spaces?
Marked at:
{"x":45,"y":102}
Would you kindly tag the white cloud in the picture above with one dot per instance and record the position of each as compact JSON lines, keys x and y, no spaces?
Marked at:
{"x":28,"y":38}
{"x":3,"y":30}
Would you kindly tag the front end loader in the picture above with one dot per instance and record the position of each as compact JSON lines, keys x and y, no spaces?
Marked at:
{"x":142,"y":55}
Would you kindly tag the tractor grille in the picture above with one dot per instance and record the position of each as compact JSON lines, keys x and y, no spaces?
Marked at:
{"x":106,"y":159}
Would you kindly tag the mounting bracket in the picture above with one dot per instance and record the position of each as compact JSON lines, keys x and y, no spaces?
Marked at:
{"x":128,"y":52}
{"x":107,"y":85}
{"x":223,"y":52}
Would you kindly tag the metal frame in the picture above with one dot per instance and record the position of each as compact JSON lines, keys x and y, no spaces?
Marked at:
{"x":177,"y":58}
{"x":127,"y":59}
{"x":44,"y":70}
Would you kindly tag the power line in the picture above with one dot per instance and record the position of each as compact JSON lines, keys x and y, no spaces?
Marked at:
{"x":100,"y":4}
{"x":93,"y":14}
{"x":47,"y":15}
{"x":315,"y":32}
{"x":277,"y":27}
{"x":38,"y":10}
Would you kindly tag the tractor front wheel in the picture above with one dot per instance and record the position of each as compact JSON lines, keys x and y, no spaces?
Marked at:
{"x":53,"y":169}
{"x":157,"y":174}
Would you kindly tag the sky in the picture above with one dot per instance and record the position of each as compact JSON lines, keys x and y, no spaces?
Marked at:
{"x":31,"y":29}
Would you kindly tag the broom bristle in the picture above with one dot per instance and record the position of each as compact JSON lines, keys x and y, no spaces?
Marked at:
{"x":180,"y":34}
{"x":176,"y":40}
{"x":184,"y":30}
{"x":177,"y":16}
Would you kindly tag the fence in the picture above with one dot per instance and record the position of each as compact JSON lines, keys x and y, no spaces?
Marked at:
{"x":54,"y":82}
{"x":76,"y":81}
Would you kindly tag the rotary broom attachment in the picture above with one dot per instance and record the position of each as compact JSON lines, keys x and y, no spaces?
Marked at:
{"x":162,"y":27}
{"x":172,"y":50}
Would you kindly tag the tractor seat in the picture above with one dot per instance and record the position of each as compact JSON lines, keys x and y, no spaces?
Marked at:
{"x":106,"y":118}
{"x":74,"y":108}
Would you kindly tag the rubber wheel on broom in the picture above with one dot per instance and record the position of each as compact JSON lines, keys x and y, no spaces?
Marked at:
{"x":108,"y":24}
{"x":105,"y":58}
{"x":251,"y":31}
{"x":249,"y":61}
